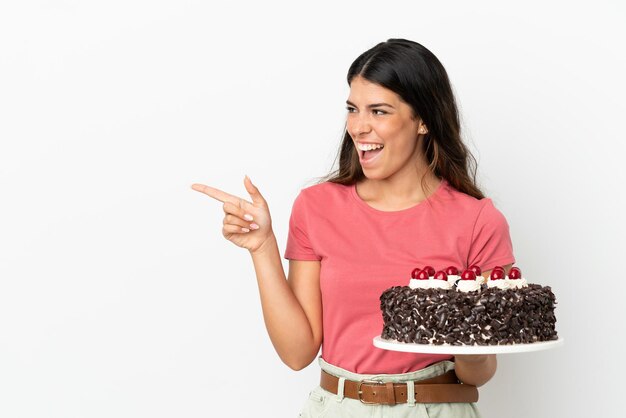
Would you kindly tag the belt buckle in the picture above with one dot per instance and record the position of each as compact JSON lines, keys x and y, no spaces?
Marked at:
{"x":360,"y":392}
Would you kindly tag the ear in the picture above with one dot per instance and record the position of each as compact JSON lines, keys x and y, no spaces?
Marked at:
{"x":422,"y":129}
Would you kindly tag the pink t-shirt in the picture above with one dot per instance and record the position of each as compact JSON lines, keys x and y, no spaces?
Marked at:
{"x":364,"y":251}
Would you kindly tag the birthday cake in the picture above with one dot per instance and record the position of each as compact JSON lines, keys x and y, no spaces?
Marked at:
{"x":445,"y":307}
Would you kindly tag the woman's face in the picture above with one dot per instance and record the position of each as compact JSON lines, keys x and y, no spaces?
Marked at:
{"x":377,"y":115}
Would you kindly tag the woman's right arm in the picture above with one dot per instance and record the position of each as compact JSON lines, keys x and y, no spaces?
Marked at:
{"x":292,"y":309}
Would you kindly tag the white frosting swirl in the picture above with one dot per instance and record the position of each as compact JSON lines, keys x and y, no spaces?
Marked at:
{"x":418,"y":284}
{"x":453,"y":278}
{"x":516,"y":283}
{"x":499,"y":283}
{"x":507,"y":283}
{"x":440,"y":284}
{"x":431,"y":283}
{"x":468,"y":285}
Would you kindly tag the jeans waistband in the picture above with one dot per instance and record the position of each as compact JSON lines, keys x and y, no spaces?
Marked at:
{"x":433,"y":370}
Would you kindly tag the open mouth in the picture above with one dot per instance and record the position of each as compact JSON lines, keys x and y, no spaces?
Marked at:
{"x":368,"y":155}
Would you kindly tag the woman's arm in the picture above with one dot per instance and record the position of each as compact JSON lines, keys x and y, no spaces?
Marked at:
{"x":477,"y":369}
{"x":292,"y":309}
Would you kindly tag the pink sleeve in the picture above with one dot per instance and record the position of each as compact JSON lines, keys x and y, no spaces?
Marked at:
{"x":491,"y":243}
{"x":298,"y":245}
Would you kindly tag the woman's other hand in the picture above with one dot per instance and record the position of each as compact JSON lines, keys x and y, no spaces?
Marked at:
{"x":246,"y":224}
{"x":475,"y":369}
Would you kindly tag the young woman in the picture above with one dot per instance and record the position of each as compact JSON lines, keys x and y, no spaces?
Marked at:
{"x":404,"y":195}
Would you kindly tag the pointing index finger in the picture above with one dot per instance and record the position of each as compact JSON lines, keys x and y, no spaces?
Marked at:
{"x":217,"y":194}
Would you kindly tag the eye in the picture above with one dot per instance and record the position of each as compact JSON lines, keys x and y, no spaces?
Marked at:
{"x":382,"y":112}
{"x":350,"y":109}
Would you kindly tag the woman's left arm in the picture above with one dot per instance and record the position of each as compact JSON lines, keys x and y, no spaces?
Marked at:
{"x":477,"y":369}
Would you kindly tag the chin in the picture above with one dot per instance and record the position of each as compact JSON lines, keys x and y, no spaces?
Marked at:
{"x":374,"y":175}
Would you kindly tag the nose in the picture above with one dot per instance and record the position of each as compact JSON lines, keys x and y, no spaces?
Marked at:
{"x":359,"y":124}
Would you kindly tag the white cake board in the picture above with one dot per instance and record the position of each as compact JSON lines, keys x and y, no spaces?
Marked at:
{"x":464,"y":349}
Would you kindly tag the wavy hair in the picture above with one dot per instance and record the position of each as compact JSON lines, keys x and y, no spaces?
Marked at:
{"x":418,"y":77}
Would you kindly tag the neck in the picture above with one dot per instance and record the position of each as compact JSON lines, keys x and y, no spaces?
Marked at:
{"x":398,"y":192}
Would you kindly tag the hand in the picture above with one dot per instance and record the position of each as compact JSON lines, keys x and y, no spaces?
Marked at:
{"x":235,"y":208}
{"x":475,"y":369}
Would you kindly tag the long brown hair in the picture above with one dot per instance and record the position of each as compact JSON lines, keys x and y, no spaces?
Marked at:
{"x":416,"y":75}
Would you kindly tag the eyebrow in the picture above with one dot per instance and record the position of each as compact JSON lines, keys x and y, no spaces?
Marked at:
{"x":371,"y":105}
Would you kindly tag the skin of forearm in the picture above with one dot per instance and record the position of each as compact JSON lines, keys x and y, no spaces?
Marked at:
{"x":475,"y":369}
{"x":285,"y":320}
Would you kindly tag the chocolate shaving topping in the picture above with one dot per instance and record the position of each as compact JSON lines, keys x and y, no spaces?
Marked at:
{"x":484,"y":317}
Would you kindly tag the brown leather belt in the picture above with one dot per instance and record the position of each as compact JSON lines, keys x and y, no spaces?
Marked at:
{"x":444,"y":388}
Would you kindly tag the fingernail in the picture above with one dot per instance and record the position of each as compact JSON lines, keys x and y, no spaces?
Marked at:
{"x":245,"y":229}
{"x":248,"y":217}
{"x":254,"y":226}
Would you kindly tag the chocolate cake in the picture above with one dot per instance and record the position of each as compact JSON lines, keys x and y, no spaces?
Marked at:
{"x":445,"y":308}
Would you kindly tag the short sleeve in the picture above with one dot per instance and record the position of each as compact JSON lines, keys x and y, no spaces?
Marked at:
{"x":298,"y":242}
{"x":491,"y":242}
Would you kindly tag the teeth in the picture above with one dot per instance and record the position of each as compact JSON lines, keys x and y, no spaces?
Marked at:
{"x":369,"y":147}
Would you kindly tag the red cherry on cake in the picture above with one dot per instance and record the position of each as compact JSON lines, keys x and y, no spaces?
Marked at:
{"x":452,"y":271}
{"x":414,"y":272}
{"x":515,"y":273}
{"x":441,"y":275}
{"x":422,"y":275}
{"x":476,"y":269}
{"x":468,"y":275}
{"x":497,"y":274}
{"x":430,"y":270}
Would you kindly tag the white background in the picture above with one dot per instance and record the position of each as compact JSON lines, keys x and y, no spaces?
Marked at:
{"x":119,"y":297}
